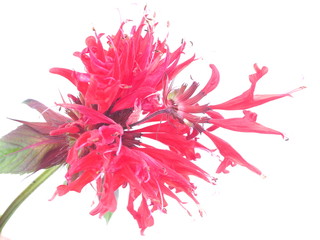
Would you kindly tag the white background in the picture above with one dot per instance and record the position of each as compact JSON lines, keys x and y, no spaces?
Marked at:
{"x":282,"y":35}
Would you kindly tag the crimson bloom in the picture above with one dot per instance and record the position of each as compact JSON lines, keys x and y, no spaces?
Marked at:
{"x":129,"y":127}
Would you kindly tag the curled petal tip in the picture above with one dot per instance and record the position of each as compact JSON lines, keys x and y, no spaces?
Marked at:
{"x":54,"y":70}
{"x":202,"y":212}
{"x":263,"y":176}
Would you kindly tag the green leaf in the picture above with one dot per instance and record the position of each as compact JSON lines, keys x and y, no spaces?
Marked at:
{"x":108,"y":215}
{"x":25,"y":150}
{"x":30,"y":147}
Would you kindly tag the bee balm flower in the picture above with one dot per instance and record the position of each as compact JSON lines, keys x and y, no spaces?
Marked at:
{"x":129,"y":127}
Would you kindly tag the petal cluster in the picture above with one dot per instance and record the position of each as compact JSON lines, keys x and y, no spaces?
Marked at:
{"x":132,"y":67}
{"x":129,"y":127}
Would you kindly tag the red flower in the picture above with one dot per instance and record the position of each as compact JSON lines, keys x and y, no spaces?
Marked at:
{"x":122,"y":83}
{"x":126,"y":100}
{"x":131,"y":68}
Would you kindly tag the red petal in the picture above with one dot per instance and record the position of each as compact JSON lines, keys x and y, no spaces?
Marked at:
{"x":248,"y":99}
{"x":77,"y":184}
{"x":210,"y":86}
{"x":246,"y":124}
{"x":92,"y":116}
{"x":175,"y":161}
{"x":80,"y":80}
{"x":230,"y":155}
{"x":128,"y":100}
{"x":245,"y":100}
{"x":176,"y":143}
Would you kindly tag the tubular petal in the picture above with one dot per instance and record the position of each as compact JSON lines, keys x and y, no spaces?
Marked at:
{"x":246,"y":124}
{"x":231,"y":156}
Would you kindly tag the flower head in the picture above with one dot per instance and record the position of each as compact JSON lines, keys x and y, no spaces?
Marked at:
{"x":129,"y":127}
{"x":120,"y":87}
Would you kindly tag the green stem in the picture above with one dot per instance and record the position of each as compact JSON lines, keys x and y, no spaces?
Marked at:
{"x":25,"y":194}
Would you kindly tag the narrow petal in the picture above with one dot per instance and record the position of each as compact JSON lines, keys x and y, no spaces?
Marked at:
{"x":92,"y":116}
{"x":172,"y":127}
{"x":129,"y":99}
{"x":106,"y":191}
{"x":143,"y":215}
{"x":80,"y":80}
{"x":246,"y":124}
{"x":244,"y":102}
{"x":213,"y":81}
{"x":210,"y":86}
{"x":77,"y":185}
{"x":230,"y":155}
{"x":73,"y":127}
{"x":176,"y":143}
{"x":172,"y":74}
{"x":177,"y":162}
{"x":247,"y":99}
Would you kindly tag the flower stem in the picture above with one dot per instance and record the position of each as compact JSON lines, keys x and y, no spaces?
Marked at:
{"x":161,"y":111}
{"x":25,"y":194}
